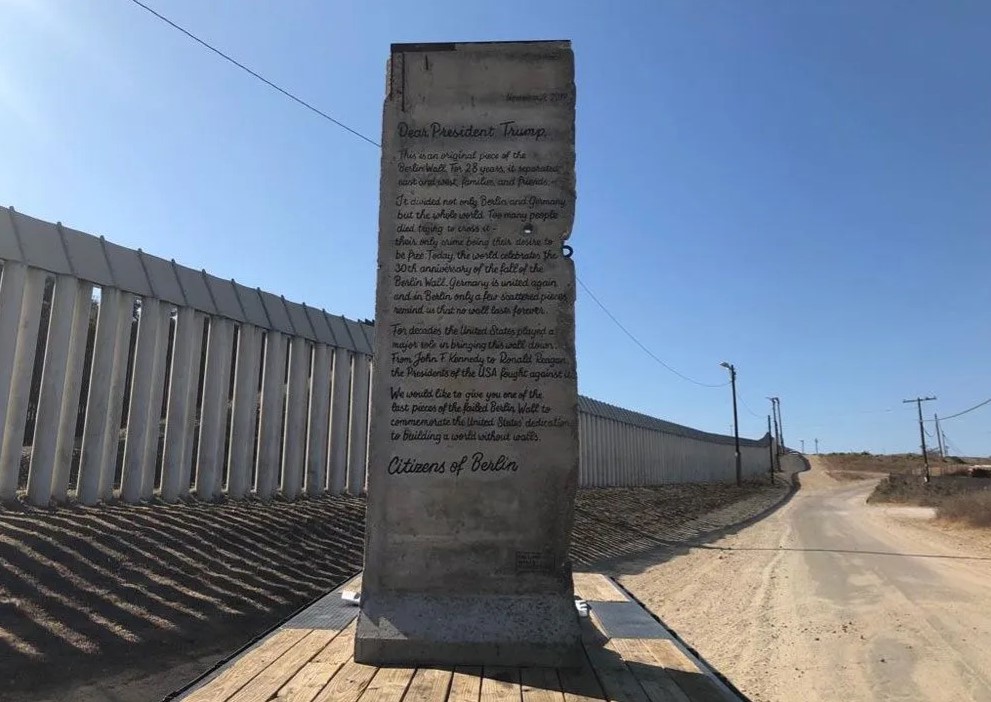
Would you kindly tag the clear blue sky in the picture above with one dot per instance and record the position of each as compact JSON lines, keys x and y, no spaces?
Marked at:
{"x":801,"y":188}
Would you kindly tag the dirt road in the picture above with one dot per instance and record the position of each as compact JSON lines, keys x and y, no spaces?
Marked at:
{"x":832,"y":599}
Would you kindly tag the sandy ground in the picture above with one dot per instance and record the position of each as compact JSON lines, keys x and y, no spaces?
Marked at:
{"x":128,"y":603}
{"x":829,"y":598}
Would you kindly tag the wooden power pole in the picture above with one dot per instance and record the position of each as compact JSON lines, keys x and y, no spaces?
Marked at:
{"x":939,"y":437}
{"x":922,"y":431}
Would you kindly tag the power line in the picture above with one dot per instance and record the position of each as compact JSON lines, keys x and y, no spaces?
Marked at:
{"x":949,"y":444}
{"x":958,"y":414}
{"x":747,"y":407}
{"x":247,"y":70}
{"x":638,"y":343}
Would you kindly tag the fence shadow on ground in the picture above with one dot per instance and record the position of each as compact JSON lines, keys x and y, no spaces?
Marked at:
{"x":121,"y":587}
{"x":92,"y":592}
{"x":615,"y":540}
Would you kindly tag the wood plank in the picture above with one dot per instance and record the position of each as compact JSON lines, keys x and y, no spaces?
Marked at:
{"x":314,"y":676}
{"x":431,"y":685}
{"x":466,"y":685}
{"x":669,"y":655}
{"x":541,"y":685}
{"x":653,"y":678}
{"x":348,"y":684}
{"x":501,"y":683}
{"x":617,"y":680}
{"x":595,"y":586}
{"x":580,"y":684}
{"x":388,"y":685}
{"x":280,"y":671}
{"x":247,"y":667}
{"x":687,"y":675}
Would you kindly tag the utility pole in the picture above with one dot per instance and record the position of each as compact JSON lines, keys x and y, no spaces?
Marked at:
{"x":817,"y":447}
{"x":736,"y":422}
{"x":770,"y":448}
{"x":781,"y":423}
{"x":922,"y":430}
{"x":803,"y":445}
{"x":774,"y":411}
{"x":939,"y":437}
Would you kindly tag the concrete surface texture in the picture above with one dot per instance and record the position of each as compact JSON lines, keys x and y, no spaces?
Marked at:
{"x":832,"y":599}
{"x":473,"y":462}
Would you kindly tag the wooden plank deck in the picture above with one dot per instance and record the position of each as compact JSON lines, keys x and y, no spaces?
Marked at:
{"x":630,"y":657}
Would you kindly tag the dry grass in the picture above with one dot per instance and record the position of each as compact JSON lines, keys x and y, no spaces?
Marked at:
{"x":973,"y":509}
{"x":898,"y":464}
{"x":956,"y":496}
{"x":958,"y":499}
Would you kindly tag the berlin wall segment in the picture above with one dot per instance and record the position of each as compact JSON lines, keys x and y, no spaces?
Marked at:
{"x":473,"y":461}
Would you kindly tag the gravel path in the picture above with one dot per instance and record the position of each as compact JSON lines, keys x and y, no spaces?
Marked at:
{"x":829,"y":598}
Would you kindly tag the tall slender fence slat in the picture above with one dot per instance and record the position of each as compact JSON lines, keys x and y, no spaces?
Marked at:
{"x":270,"y":423}
{"x":180,"y":413}
{"x":294,"y":442}
{"x":358,"y":430}
{"x":101,"y":433}
{"x":67,"y":290}
{"x":290,"y":416}
{"x":118,"y":389}
{"x":65,"y":447}
{"x":20,"y":384}
{"x":213,"y":417}
{"x":244,"y":411}
{"x":12,"y":282}
{"x":142,"y":416}
{"x":340,"y":417}
{"x":318,"y":421}
{"x":153,"y":434}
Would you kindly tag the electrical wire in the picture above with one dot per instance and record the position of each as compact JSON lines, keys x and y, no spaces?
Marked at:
{"x":950,"y":445}
{"x":247,"y":70}
{"x":747,"y":407}
{"x":638,"y":343}
{"x":959,"y":414}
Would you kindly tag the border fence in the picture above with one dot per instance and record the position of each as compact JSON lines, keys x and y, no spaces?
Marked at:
{"x":123,"y":375}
